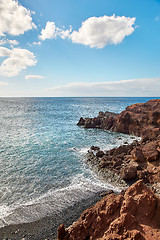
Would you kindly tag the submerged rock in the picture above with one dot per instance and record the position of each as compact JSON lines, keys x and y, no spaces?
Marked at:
{"x":95,"y":148}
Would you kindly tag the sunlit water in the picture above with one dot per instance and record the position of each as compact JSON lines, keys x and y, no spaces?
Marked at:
{"x":42,"y":151}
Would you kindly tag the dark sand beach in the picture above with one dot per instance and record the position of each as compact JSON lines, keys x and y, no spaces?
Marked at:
{"x":46,"y":228}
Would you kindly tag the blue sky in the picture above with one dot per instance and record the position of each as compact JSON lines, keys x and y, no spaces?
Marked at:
{"x":80,"y":48}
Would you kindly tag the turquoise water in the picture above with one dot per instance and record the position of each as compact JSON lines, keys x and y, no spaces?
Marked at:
{"x":42,"y":152}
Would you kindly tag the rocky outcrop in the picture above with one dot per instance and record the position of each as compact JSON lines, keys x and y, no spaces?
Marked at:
{"x":139,"y":160}
{"x":133,"y":214}
{"x":141,"y":119}
{"x":103,"y":121}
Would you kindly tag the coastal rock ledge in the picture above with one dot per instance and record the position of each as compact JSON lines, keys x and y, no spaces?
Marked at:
{"x":134,"y":215}
{"x":141,"y":119}
{"x":139,"y":160}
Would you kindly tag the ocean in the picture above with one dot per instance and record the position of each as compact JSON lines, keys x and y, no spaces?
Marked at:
{"x":42,"y":154}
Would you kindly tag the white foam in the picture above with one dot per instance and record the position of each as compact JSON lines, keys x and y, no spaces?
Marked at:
{"x":83,"y":150}
{"x":80,"y":150}
{"x":54,"y":201}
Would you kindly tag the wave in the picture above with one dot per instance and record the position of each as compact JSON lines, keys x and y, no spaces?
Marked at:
{"x":54,"y":201}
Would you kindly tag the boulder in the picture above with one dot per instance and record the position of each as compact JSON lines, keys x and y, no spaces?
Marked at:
{"x":129,"y":172}
{"x":100,"y":154}
{"x":95,"y":148}
{"x":62,"y":232}
{"x":150,"y":151}
{"x":137,"y":155}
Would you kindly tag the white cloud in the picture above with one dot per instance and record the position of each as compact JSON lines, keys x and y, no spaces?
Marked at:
{"x":3,"y":42}
{"x":37,"y":43}
{"x":50,"y":31}
{"x":94,"y":32}
{"x":65,"y":33}
{"x":34,"y":77}
{"x":136,"y":87}
{"x":100,"y":31}
{"x":16,"y":61}
{"x":4,"y":52}
{"x":13,"y":42}
{"x":14,"y":18}
{"x":10,"y":42}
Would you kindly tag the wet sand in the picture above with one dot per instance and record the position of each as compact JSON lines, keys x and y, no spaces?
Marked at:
{"x":46,"y":228}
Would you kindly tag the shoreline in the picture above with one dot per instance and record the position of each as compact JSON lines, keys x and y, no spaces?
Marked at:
{"x":46,"y":228}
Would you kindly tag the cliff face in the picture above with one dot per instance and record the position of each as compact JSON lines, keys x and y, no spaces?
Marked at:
{"x":134,"y":214}
{"x":141,"y":119}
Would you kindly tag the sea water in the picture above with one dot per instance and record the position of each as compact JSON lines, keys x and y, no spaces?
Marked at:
{"x":42,"y":154}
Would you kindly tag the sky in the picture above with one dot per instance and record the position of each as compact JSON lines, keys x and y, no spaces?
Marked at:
{"x":83,"y":48}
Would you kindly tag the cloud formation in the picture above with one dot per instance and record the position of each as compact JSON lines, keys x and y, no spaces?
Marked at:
{"x":34,"y":77}
{"x":148,"y":87}
{"x":16,"y":61}
{"x":95,"y":31}
{"x":14,"y":18}
{"x":52,"y":32}
{"x":4,"y":52}
{"x":101,"y":31}
{"x":10,"y":42}
{"x":49,"y":32}
{"x":36,"y":43}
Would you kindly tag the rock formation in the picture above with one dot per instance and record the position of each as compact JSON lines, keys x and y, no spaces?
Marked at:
{"x":134,"y":214}
{"x":139,"y":160}
{"x":142,"y":119}
{"x":131,"y":162}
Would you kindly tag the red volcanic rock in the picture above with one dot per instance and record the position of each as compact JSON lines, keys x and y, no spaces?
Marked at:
{"x":137,"y":155}
{"x":61,"y":232}
{"x":131,"y":215}
{"x":129,"y":172}
{"x":100,"y":154}
{"x":150,"y":151}
{"x":142,"y":119}
{"x":137,"y":118}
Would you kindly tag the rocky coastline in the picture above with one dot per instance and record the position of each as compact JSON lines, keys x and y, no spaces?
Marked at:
{"x":134,"y":214}
{"x":130,"y":215}
{"x":136,"y":161}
